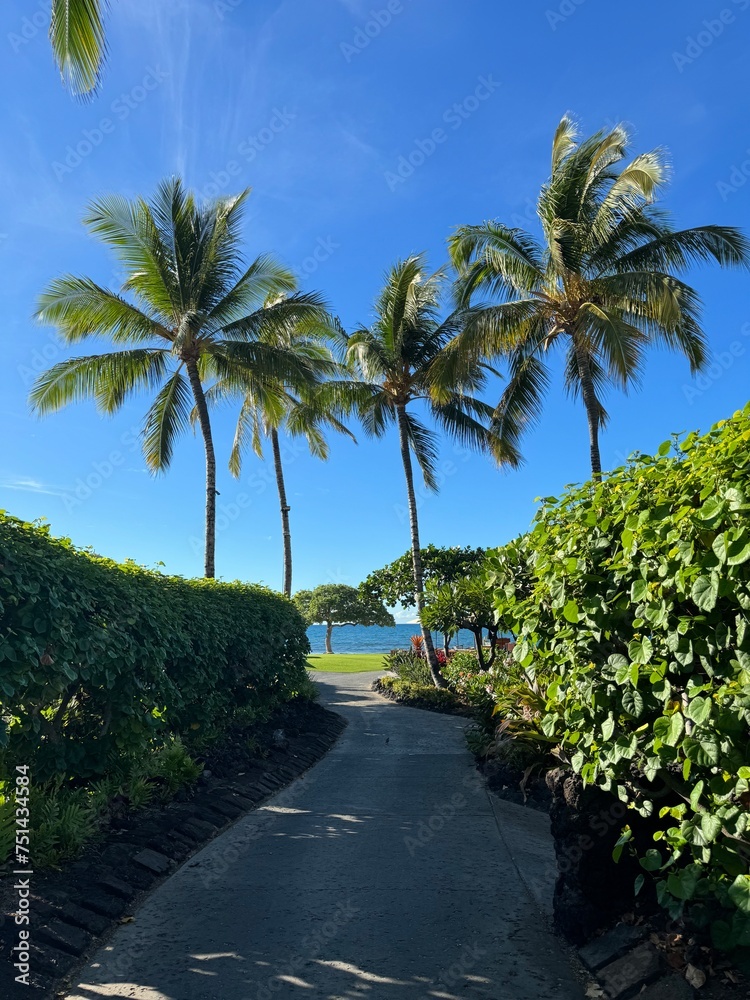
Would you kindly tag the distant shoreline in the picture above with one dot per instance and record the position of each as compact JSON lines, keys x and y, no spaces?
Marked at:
{"x":374,"y":639}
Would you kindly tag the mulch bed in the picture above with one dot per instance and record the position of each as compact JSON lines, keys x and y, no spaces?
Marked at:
{"x":71,"y":908}
{"x":507,"y":782}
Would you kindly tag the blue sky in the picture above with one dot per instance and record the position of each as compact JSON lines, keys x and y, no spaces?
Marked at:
{"x":314,"y":105}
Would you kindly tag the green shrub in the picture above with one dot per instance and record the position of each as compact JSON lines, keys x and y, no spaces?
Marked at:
{"x":409,"y":666}
{"x":174,"y":765}
{"x":421,"y":695}
{"x":306,"y":688}
{"x":631,"y":597}
{"x":100,"y":661}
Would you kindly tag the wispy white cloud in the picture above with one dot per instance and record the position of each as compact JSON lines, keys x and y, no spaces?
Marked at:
{"x":26,"y":485}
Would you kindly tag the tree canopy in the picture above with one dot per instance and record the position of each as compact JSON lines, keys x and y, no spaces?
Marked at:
{"x":394,"y":584}
{"x":339,"y":604}
{"x":601,"y":286}
{"x":463,"y":603}
{"x":336,"y":605}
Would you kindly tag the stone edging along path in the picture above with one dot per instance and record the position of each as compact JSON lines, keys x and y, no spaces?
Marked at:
{"x":72,"y":909}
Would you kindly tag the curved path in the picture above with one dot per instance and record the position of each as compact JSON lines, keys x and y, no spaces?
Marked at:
{"x":386,"y":872}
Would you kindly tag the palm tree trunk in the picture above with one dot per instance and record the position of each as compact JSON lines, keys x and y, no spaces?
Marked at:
{"x":592,"y":409}
{"x":205,"y":425}
{"x":416,"y":552}
{"x":285,"y":508}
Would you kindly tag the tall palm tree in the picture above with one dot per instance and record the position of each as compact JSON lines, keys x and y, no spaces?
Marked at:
{"x":79,"y":44}
{"x":602,"y":284}
{"x":194,"y":315}
{"x":304,"y":410}
{"x":398,"y":359}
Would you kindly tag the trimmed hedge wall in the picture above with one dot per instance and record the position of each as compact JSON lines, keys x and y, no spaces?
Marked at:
{"x":631,"y":600}
{"x":98,"y":658}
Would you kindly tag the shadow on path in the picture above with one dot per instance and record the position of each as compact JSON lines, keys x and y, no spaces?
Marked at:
{"x":384,"y":872}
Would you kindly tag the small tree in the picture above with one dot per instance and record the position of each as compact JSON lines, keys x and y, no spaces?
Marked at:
{"x":336,"y":605}
{"x":463,"y":604}
{"x":394,"y":584}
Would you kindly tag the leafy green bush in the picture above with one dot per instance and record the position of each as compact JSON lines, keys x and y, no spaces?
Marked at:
{"x":63,"y":818}
{"x":306,"y":688}
{"x":409,"y":666}
{"x":508,"y":703}
{"x":98,"y":660}
{"x":631,"y":598}
{"x":421,"y":695}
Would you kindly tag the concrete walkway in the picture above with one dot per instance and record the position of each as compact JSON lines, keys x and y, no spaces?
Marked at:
{"x":387,"y":873}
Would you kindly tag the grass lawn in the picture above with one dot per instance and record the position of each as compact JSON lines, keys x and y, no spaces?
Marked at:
{"x":346,"y":663}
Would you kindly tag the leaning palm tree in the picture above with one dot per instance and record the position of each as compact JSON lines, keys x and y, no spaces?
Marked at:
{"x":78,"y":42}
{"x":602,"y":284}
{"x":190,"y":313}
{"x":303,"y":410}
{"x":398,"y":360}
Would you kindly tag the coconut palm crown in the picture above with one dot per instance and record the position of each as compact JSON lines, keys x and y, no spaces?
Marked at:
{"x":602,"y":285}
{"x":191,"y":312}
{"x":399,"y":361}
{"x":271,"y":408}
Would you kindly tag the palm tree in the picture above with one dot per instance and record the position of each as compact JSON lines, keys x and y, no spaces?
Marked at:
{"x":398,"y":360}
{"x":78,"y":42}
{"x":194,"y":316}
{"x":602,"y":284}
{"x":304,"y":410}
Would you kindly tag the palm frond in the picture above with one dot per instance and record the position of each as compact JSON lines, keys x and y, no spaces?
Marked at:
{"x":80,"y":308}
{"x":108,"y":379}
{"x":617,"y":342}
{"x":424,"y":446}
{"x":677,"y":251}
{"x":520,"y":405}
{"x":129,"y":229}
{"x":79,"y":44}
{"x":566,"y":136}
{"x":496,"y":260}
{"x":167,"y":417}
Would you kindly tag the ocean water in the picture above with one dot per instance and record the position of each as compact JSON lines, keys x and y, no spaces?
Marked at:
{"x":374,"y":639}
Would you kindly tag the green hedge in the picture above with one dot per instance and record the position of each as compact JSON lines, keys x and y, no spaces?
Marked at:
{"x":631,"y":596}
{"x":99,"y":659}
